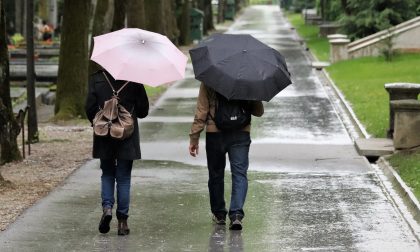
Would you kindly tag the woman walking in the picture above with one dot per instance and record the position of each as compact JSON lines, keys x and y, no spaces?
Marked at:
{"x":116,"y":156}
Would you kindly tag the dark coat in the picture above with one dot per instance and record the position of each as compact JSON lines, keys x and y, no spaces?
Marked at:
{"x":134,"y":98}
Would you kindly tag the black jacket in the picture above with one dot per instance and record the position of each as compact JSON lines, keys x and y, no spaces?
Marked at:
{"x":134,"y":98}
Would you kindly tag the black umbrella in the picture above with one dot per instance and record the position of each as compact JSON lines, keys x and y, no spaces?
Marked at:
{"x":240,"y":67}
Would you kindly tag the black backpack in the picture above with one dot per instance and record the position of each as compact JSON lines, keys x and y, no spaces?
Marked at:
{"x":231,"y":114}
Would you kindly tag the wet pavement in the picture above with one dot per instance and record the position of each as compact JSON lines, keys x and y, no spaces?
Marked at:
{"x":309,"y":190}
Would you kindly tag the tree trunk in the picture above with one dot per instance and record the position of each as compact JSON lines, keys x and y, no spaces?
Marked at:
{"x":221,"y":11}
{"x":73,"y":64}
{"x":18,"y":16}
{"x":184,"y":23}
{"x":171,"y":29}
{"x":102,"y":23}
{"x":345,"y":7}
{"x":206,"y":7}
{"x":155,"y":16}
{"x":30,"y":73}
{"x":9,"y":128}
{"x":120,"y":8}
{"x":136,"y":14}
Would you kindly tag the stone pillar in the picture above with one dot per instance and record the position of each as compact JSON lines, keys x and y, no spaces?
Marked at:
{"x":399,"y":91}
{"x":52,"y":13}
{"x":338,"y":49}
{"x":336,"y":36}
{"x":406,"y":124}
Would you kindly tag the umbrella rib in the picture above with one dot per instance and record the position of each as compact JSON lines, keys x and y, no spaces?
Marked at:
{"x":133,"y":55}
{"x":169,"y":59}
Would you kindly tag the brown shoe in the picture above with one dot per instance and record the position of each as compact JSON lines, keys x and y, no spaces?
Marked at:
{"x":105,"y":220}
{"x":123,"y":227}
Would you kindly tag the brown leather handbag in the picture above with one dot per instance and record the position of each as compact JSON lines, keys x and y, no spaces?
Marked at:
{"x":113,"y":119}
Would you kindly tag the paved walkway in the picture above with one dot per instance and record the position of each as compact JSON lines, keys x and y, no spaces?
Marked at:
{"x":308,"y":188}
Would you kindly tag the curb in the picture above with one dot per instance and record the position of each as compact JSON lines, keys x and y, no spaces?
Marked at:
{"x":356,"y":130}
{"x":412,"y":212}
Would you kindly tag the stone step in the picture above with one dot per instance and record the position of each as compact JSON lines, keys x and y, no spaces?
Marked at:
{"x":374,"y":147}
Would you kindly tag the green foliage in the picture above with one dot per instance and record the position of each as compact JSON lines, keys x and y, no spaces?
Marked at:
{"x":388,"y":50}
{"x":299,"y":5}
{"x":362,"y":83}
{"x":285,"y":4}
{"x":332,"y":9}
{"x":154,"y":92}
{"x":367,"y":17}
{"x":17,"y":39}
{"x":407,"y":164}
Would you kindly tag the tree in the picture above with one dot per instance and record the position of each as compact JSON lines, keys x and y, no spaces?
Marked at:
{"x":30,"y":73}
{"x":136,"y":15}
{"x":221,"y":11}
{"x":120,"y":7}
{"x":19,"y":10}
{"x":368,"y":17}
{"x":206,"y":7}
{"x":73,"y":63}
{"x":160,"y":15}
{"x":183,"y":21}
{"x":102,"y":23}
{"x":9,"y":128}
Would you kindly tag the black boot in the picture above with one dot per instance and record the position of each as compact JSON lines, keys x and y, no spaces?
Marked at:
{"x":123,"y":227}
{"x":105,"y":220}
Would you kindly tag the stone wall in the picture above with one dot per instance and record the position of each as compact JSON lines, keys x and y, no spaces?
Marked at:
{"x":405,"y":37}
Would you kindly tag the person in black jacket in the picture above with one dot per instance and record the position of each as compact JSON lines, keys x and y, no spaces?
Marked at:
{"x":116,"y":156}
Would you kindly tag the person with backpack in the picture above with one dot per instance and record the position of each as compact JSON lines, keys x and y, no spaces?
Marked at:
{"x":116,"y":151}
{"x":227,"y":124}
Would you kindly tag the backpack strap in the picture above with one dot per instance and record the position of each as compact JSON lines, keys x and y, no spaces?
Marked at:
{"x":113,"y":90}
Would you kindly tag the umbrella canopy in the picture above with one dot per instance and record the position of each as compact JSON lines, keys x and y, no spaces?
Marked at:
{"x":240,"y":67}
{"x":139,"y":56}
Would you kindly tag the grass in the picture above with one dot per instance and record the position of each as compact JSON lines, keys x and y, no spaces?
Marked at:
{"x":318,"y":45}
{"x":153,"y":93}
{"x":407,"y":164}
{"x":362,"y":83}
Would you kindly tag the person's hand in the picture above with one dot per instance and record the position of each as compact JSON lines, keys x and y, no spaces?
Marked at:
{"x":193,"y":150}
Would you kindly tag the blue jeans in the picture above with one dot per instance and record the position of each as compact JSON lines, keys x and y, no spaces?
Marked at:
{"x":236,"y":145}
{"x":116,"y":171}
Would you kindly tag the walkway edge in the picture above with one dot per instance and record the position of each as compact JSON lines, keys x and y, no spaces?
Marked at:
{"x":403,"y":191}
{"x":407,"y":196}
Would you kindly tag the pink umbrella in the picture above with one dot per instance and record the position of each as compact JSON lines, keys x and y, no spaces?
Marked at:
{"x":139,"y":56}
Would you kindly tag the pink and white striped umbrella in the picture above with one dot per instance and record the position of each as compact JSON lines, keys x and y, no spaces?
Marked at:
{"x":139,"y":56}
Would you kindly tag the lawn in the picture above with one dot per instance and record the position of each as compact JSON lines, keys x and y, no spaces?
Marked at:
{"x":153,"y":93}
{"x":407,"y":164}
{"x":362,"y":83}
{"x":318,"y":45}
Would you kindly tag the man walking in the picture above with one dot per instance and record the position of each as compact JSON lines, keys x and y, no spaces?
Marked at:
{"x":234,"y":142}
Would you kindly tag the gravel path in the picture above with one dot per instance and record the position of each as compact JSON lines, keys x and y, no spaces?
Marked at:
{"x":44,"y":169}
